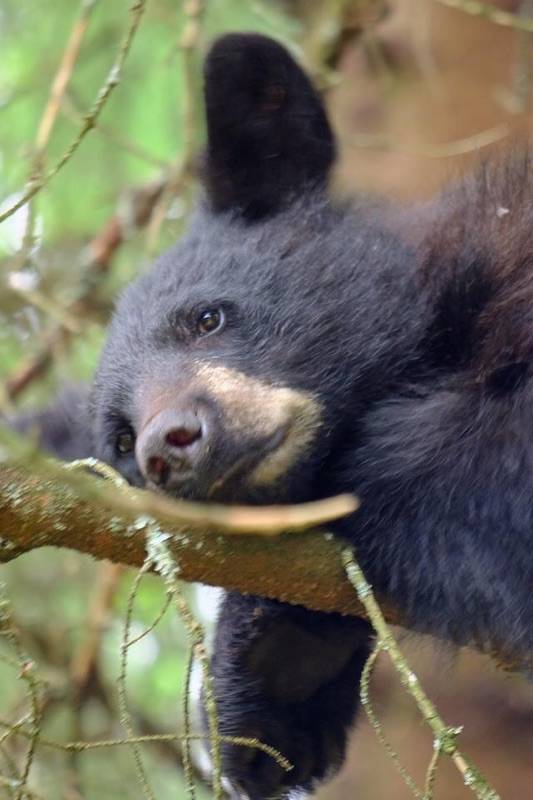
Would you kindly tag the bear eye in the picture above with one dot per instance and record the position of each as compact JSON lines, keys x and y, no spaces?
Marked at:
{"x":210,"y":321}
{"x":125,"y":442}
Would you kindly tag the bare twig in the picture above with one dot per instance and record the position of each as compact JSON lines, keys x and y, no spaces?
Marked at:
{"x":457,"y":147}
{"x":84,"y":662}
{"x":366,"y":702}
{"x":27,"y":674}
{"x":241,"y":520}
{"x":63,"y":75}
{"x":34,"y":367}
{"x":46,"y":504}
{"x":125,"y":716}
{"x":80,"y":747}
{"x":112,"y":81}
{"x":180,"y":171}
{"x":166,"y":565}
{"x":445,"y":737}
{"x":135,"y":210}
{"x":44,"y":131}
{"x":479,"y":9}
{"x":71,"y":111}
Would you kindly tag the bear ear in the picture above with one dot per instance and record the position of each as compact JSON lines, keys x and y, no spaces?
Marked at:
{"x":268,"y":135}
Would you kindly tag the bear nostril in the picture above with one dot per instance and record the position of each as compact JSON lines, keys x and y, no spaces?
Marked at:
{"x":183,"y":437}
{"x":165,"y":449}
{"x":158,"y":470}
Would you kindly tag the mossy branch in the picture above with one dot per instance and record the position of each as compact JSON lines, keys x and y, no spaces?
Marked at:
{"x":46,"y":503}
{"x":252,"y":550}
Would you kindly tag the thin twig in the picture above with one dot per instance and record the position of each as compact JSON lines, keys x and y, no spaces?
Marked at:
{"x":165,"y":564}
{"x":63,"y":75}
{"x":44,"y":132}
{"x":27,"y":674}
{"x":479,"y":9}
{"x":163,"y":610}
{"x":80,"y":747}
{"x":84,"y":661}
{"x":71,"y":111}
{"x":135,"y":209}
{"x":457,"y":147}
{"x":431,"y":773}
{"x":180,"y":172}
{"x":445,"y":737}
{"x":112,"y":81}
{"x":125,"y":716}
{"x":366,"y":702}
{"x":186,"y":753}
{"x":240,"y":520}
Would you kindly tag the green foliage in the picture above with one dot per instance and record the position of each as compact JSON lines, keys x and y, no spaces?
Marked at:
{"x":145,"y":112}
{"x":138,"y":137}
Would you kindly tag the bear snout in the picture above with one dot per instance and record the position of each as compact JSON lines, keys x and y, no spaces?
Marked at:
{"x":172,"y":445}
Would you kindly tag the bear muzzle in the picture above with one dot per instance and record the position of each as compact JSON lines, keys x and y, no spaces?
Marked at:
{"x":221,"y":435}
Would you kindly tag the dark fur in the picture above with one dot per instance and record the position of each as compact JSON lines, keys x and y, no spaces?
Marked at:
{"x":414,"y":329}
{"x":64,"y":429}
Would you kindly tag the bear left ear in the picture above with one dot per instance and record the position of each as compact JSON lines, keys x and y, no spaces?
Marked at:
{"x":268,"y":135}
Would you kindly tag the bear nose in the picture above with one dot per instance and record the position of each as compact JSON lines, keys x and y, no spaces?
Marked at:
{"x":170,"y":446}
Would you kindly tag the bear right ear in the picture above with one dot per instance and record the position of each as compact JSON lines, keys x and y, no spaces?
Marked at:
{"x":268,"y":135}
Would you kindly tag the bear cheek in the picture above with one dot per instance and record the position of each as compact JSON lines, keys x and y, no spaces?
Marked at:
{"x":283,"y":421}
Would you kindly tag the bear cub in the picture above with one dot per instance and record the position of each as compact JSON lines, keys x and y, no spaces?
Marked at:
{"x":291,"y":347}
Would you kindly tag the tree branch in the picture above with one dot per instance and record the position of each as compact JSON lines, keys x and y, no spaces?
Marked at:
{"x":47,"y":504}
{"x":281,"y":552}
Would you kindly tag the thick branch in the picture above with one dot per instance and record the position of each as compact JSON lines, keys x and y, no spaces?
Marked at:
{"x":84,"y":513}
{"x":46,"y":503}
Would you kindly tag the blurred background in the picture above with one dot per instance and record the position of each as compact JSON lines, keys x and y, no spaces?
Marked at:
{"x":417,"y":92}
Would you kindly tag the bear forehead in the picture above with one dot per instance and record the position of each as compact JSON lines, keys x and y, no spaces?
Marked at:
{"x":234,"y":261}
{"x":311,"y":247}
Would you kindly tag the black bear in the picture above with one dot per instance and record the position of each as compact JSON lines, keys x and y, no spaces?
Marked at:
{"x":290,"y":347}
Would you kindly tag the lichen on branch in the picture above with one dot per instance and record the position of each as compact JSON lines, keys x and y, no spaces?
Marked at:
{"x":45,"y":503}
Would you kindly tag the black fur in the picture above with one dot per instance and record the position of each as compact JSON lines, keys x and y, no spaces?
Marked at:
{"x":414,"y":331}
{"x":64,"y":429}
{"x":287,"y":677}
{"x":268,"y":132}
